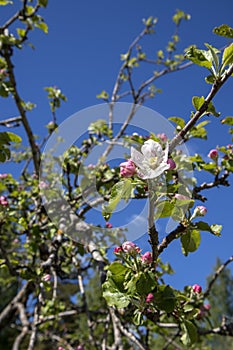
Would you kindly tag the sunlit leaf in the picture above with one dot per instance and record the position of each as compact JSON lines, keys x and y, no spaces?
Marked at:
{"x":227,"y":57}
{"x":224,"y":30}
{"x":199,"y":57}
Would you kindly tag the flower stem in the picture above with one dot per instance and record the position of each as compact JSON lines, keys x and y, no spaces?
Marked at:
{"x":153,"y":233}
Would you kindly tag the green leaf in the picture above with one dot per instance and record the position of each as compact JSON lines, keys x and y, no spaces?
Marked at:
{"x":121,"y":190}
{"x":43,"y":3}
{"x":113,"y":297}
{"x":214,"y":229}
{"x":189,"y":336}
{"x":190,"y":241}
{"x":137,"y":318}
{"x":214,"y":52}
{"x":117,"y":273}
{"x":227,"y":57}
{"x":210,"y":79}
{"x":164,"y":209}
{"x":227,"y":120}
{"x":104,"y":95}
{"x":211,"y":167}
{"x":145,"y":283}
{"x":43,"y":26}
{"x":178,"y":121}
{"x":133,"y":62}
{"x":21,"y":32}
{"x":165,"y":298}
{"x":198,"y":102}
{"x":224,"y":30}
{"x":116,"y":268}
{"x":179,"y":15}
{"x":199,"y":57}
{"x":6,"y":137}
{"x":5,"y":2}
{"x":211,"y":110}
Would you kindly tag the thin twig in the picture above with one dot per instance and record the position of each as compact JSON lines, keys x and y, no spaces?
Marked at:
{"x":216,"y":275}
{"x":18,"y":101}
{"x":214,"y":89}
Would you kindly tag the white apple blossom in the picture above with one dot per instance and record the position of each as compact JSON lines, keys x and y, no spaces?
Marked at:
{"x":152,"y":162}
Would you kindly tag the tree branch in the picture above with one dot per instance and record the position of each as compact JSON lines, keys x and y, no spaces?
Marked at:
{"x":216,"y":275}
{"x":215,"y":88}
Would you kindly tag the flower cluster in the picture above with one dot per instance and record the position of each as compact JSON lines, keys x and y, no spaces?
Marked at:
{"x":132,"y":249}
{"x":150,"y":163}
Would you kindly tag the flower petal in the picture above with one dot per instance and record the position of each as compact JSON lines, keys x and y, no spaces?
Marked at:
{"x":151,"y":149}
{"x":136,"y":157}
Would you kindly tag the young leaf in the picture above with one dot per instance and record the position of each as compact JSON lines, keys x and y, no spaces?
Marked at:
{"x":43,"y":3}
{"x":178,"y":121}
{"x":190,"y":241}
{"x":200,"y":57}
{"x":224,"y":30}
{"x":121,"y":190}
{"x":164,"y":209}
{"x":189,"y":336}
{"x":227,"y":57}
{"x":227,"y":120}
{"x":198,"y":102}
{"x":6,"y":137}
{"x":5,"y":2}
{"x":214,"y":229}
{"x":210,"y":79}
{"x":43,"y":26}
{"x":113,"y":297}
{"x":165,"y":298}
{"x":104,"y":95}
{"x":214,"y":52}
{"x":145,"y":283}
{"x":211,"y":110}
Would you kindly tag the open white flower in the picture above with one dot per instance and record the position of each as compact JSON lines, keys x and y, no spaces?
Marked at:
{"x":152,"y":162}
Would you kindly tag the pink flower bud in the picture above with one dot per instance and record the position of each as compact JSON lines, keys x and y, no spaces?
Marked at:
{"x":149,"y":298}
{"x":3,"y":176}
{"x":3,"y":201}
{"x":91,"y":166}
{"x":162,"y":137}
{"x":147,"y":258}
{"x":46,"y":278}
{"x":60,"y":348}
{"x":127,"y":169}
{"x":171,"y":163}
{"x":197,"y":289}
{"x":207,"y":307}
{"x":213,"y":154}
{"x":108,"y":225}
{"x":117,"y":250}
{"x":181,"y":197}
{"x":200,"y":210}
{"x":129,"y":247}
{"x":79,"y":347}
{"x":43,"y":185}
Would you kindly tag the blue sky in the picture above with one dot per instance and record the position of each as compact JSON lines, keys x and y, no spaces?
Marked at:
{"x":81,"y":55}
